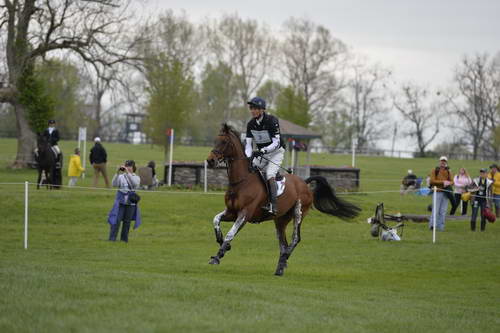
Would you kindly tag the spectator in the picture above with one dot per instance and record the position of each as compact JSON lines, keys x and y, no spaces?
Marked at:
{"x":461,"y":181}
{"x":152,"y":165}
{"x":482,"y":193}
{"x":98,"y":159}
{"x":495,"y":177}
{"x":75,"y":168}
{"x":123,"y":209}
{"x":409,"y":183}
{"x":441,"y":178}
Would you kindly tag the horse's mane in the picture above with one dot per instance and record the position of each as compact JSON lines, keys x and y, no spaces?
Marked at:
{"x":227,"y":129}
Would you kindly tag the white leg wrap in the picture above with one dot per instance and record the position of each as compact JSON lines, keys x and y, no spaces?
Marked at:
{"x":217,"y":220}
{"x":235,"y":228}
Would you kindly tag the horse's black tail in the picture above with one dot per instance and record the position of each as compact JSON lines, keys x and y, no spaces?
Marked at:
{"x":327,"y":202}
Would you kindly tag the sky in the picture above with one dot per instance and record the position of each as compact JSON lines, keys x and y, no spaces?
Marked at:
{"x":420,"y":40}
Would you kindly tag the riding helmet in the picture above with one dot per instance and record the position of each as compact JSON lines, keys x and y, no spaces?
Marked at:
{"x":257,"y":102}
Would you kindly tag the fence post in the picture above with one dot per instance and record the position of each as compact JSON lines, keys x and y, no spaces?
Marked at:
{"x":205,"y":176}
{"x":26,"y":215}
{"x":170,"y":157}
{"x":434,"y":214}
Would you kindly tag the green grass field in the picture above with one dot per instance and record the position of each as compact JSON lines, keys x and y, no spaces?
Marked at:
{"x":339,"y":278}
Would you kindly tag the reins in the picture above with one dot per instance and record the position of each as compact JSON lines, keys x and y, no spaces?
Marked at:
{"x":228,"y":160}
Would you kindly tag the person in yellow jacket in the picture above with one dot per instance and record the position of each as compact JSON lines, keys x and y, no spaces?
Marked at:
{"x":75,"y":168}
{"x":494,"y":175}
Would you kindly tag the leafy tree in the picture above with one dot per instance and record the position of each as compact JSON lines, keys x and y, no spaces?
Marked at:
{"x":218,"y":98}
{"x":38,"y":103}
{"x":270,"y":91}
{"x":172,"y":97}
{"x":30,"y":30}
{"x":293,"y":107}
{"x":62,"y":83}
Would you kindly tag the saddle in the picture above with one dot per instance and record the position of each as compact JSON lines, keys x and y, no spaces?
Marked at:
{"x":280,"y":181}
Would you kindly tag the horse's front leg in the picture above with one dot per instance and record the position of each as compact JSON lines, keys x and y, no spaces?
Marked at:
{"x":222,"y":216}
{"x":226,"y":244}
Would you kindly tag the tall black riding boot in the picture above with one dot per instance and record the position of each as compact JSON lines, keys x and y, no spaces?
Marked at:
{"x":273,"y":190}
{"x":497,"y":211}
{"x":473,"y":225}
{"x":483,"y":224}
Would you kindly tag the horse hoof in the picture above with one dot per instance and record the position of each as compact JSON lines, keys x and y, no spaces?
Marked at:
{"x":214,"y":261}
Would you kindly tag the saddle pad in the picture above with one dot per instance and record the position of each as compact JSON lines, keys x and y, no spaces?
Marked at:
{"x":281,"y":187}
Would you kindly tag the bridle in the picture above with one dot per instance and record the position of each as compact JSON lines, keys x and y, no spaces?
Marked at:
{"x":219,"y":154}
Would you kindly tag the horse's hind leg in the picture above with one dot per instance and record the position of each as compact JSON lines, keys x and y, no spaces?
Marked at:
{"x":226,"y":246}
{"x":280,"y":225}
{"x":297,"y":221}
{"x":285,"y":249}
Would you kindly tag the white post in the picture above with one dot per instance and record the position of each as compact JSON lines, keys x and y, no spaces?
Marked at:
{"x":84,"y":157}
{"x":25,"y":215}
{"x":353,"y":152}
{"x":434,"y":214}
{"x":170,"y":157}
{"x":205,"y":176}
{"x":82,"y":137}
{"x":293,"y":157}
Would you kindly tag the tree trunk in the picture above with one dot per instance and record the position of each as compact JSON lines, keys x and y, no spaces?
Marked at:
{"x":26,"y":139}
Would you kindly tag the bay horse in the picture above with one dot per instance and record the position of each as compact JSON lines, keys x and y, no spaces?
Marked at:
{"x":47,"y":162}
{"x":247,"y":194}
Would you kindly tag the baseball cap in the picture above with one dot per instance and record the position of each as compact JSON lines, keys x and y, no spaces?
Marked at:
{"x":483,"y":170}
{"x":443,"y":158}
{"x":494,"y":165}
{"x":97,"y":139}
{"x":52,"y":121}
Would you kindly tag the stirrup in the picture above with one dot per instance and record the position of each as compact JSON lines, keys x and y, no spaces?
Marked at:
{"x":270,"y":208}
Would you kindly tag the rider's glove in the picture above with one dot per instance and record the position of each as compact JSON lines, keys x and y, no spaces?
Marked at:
{"x":257,"y":154}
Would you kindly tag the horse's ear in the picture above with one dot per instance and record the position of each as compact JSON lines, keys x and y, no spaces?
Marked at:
{"x":225,"y":128}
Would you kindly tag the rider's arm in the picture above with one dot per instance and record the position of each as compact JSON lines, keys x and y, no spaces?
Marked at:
{"x":273,"y":146}
{"x":248,"y":147}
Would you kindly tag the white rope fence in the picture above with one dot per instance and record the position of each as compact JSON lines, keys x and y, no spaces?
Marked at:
{"x":27,"y":184}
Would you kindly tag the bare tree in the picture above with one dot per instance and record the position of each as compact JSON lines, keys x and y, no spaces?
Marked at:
{"x":246,"y":47}
{"x":310,"y":59}
{"x":476,"y":103}
{"x":415,"y":106}
{"x":365,"y":102}
{"x":93,"y":30}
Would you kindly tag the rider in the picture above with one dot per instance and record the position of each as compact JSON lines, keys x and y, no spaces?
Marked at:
{"x":265,"y":130}
{"x":52,"y":135}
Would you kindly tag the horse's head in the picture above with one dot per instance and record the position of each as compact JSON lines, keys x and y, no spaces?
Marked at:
{"x":225,"y":147}
{"x":41,"y":142}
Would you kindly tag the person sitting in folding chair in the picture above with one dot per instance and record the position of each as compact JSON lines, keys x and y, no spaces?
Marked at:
{"x":264,"y":129}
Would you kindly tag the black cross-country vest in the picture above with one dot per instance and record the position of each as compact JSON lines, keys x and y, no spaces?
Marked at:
{"x":263,"y":133}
